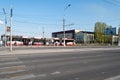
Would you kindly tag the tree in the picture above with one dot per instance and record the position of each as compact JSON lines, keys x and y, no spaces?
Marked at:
{"x":99,"y":29}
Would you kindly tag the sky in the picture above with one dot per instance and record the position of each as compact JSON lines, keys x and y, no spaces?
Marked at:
{"x":32,"y":17}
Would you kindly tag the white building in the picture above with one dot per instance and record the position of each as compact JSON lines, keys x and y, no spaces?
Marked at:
{"x":119,"y":36}
{"x":77,"y":35}
{"x":85,"y":37}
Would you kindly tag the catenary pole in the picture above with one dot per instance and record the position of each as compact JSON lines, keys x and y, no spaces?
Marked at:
{"x":5,"y":25}
{"x":11,"y":11}
{"x":64,"y":24}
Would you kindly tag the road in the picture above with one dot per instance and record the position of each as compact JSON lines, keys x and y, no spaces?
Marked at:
{"x":88,"y":64}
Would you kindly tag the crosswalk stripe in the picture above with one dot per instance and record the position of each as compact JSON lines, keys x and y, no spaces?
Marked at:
{"x":6,"y":56}
{"x":11,"y":72}
{"x":8,"y":63}
{"x":11,"y":68}
{"x":29,"y":76}
{"x":114,"y":78}
{"x":7,"y":59}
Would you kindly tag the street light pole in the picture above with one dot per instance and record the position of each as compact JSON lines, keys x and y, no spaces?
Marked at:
{"x":11,"y":29}
{"x":5,"y":25}
{"x":64,"y":23}
{"x":64,"y":31}
{"x":43,"y":33}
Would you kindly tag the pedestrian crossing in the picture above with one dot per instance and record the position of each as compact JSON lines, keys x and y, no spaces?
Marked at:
{"x":11,"y":68}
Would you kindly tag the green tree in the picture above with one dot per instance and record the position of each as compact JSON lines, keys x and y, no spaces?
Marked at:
{"x":99,"y":29}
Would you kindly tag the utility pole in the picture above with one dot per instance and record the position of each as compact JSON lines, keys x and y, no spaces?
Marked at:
{"x":43,"y":33}
{"x":5,"y":25}
{"x":64,"y":31}
{"x":11,"y":28}
{"x":64,"y":23}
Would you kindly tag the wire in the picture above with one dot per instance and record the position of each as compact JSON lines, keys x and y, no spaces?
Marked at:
{"x":34,"y":17}
{"x":26,"y":22}
{"x":111,"y":2}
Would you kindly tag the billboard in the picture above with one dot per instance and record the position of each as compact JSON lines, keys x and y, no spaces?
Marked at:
{"x":110,"y":31}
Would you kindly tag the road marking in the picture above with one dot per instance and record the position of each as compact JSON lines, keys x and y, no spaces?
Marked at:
{"x":114,"y":78}
{"x":13,"y":63}
{"x":77,"y":78}
{"x":8,"y":59}
{"x":56,"y":73}
{"x":20,"y":77}
{"x":11,"y":72}
{"x":103,"y":72}
{"x":12,"y":68}
{"x":41,"y":75}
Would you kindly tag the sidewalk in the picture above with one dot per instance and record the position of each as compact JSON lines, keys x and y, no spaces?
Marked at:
{"x":7,"y":52}
{"x":29,"y":50}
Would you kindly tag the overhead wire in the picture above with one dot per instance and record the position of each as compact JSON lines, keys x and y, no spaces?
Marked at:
{"x":115,"y":3}
{"x":36,"y":23}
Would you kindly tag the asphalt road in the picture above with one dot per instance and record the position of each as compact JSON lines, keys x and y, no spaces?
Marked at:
{"x":70,"y":65}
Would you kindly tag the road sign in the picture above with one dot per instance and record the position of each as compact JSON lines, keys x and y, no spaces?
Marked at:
{"x":8,"y":29}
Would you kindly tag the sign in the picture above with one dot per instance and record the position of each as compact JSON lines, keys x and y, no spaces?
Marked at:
{"x":8,"y":29}
{"x":110,"y":31}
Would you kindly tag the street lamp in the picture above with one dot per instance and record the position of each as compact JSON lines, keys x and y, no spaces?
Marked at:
{"x":64,"y":23}
{"x":5,"y":24}
{"x":11,"y":15}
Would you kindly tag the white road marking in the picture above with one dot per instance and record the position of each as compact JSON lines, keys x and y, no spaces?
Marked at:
{"x":12,"y":68}
{"x":77,"y":78}
{"x":7,"y":58}
{"x":20,"y":77}
{"x":56,"y":73}
{"x":11,"y":72}
{"x":13,"y":63}
{"x":114,"y":78}
{"x":41,"y":75}
{"x":103,"y":72}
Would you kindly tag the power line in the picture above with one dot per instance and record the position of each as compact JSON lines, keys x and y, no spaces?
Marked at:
{"x":27,"y":22}
{"x":115,"y":3}
{"x":32,"y":16}
{"x":35,"y":16}
{"x":23,"y":16}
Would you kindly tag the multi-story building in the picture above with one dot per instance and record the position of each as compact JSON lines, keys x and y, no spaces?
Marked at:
{"x":71,"y":34}
{"x":77,"y":35}
{"x":85,"y":37}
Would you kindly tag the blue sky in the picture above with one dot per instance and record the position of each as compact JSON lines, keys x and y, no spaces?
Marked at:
{"x":30,"y":16}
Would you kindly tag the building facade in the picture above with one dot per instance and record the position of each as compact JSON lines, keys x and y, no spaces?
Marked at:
{"x":70,"y":34}
{"x":85,"y":37}
{"x":77,"y":35}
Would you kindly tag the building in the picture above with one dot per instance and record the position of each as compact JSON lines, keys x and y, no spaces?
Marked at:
{"x":77,"y":35}
{"x":70,"y":34}
{"x":115,"y":38}
{"x":119,"y":36}
{"x":85,"y":37}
